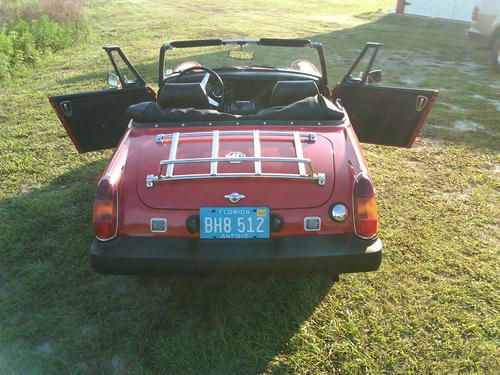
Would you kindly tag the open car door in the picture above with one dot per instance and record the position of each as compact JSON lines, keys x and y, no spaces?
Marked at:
{"x":96,"y":120}
{"x":382,"y":115}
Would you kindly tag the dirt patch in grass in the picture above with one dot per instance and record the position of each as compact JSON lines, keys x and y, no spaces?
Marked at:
{"x":467,"y":126}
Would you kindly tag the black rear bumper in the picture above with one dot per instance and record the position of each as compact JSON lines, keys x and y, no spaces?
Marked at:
{"x":183,"y":257}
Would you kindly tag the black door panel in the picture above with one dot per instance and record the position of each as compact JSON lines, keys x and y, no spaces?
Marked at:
{"x":96,"y":120}
{"x":385,"y":115}
{"x":389,"y":116}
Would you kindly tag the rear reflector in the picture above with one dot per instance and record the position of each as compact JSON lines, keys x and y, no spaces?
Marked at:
{"x":365,"y":208}
{"x":104,"y":217}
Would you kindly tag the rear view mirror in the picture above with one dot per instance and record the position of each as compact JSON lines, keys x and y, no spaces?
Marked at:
{"x":374,"y":76}
{"x":113,"y":81}
{"x":241,"y":55}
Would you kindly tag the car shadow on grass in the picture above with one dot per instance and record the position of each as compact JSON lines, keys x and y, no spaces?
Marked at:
{"x":59,"y":316}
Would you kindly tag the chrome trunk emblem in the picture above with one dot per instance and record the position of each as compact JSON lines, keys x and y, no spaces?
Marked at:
{"x":234,"y":197}
{"x":235,"y":154}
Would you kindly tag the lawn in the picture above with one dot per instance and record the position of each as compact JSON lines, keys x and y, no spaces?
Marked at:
{"x":433,"y":307}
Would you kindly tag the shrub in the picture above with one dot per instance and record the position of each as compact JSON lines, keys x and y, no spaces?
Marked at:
{"x":23,"y":41}
{"x":30,"y":28}
{"x":6,"y":53}
{"x":49,"y":35}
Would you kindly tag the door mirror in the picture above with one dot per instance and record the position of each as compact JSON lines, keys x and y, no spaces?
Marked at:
{"x":113,"y":81}
{"x":374,"y":76}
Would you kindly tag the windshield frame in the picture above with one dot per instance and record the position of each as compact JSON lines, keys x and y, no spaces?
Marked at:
{"x":272,"y":42}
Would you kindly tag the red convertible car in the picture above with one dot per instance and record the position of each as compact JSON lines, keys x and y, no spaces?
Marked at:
{"x":244,"y":161}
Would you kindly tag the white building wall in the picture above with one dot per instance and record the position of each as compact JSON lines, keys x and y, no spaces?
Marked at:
{"x":459,"y":10}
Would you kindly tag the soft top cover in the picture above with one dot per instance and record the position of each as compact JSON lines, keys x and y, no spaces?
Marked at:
{"x":313,"y":108}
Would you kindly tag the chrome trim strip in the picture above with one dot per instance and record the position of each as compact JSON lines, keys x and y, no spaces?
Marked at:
{"x":173,"y":153}
{"x":235,"y":175}
{"x":300,"y":154}
{"x":240,"y":159}
{"x":215,"y":153}
{"x":256,"y":152}
{"x":310,"y":135}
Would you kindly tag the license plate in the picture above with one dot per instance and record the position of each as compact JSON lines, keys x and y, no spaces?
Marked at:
{"x":234,"y":222}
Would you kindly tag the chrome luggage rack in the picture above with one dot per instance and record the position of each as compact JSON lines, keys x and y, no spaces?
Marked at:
{"x":305,"y":170}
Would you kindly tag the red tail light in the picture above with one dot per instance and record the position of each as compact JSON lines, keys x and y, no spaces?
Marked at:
{"x":104,"y":217}
{"x":475,"y":13}
{"x":365,"y":208}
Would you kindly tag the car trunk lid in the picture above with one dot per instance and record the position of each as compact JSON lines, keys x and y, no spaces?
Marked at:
{"x":286,"y":169}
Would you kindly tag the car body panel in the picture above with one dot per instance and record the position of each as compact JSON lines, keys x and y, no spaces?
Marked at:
{"x":136,"y":214}
{"x":184,"y":194}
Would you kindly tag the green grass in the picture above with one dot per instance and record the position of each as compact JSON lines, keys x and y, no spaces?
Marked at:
{"x":433,"y":307}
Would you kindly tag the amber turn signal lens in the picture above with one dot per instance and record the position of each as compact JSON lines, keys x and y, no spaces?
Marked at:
{"x":365,"y":208}
{"x":104,"y":215}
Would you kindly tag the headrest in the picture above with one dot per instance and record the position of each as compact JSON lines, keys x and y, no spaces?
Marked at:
{"x":287,"y":92}
{"x":182,"y":95}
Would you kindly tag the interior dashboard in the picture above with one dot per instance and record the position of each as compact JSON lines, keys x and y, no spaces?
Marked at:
{"x":245,"y":91}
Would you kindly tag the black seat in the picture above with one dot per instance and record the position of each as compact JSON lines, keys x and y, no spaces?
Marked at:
{"x":287,"y":92}
{"x":311,"y":108}
{"x":182,"y":95}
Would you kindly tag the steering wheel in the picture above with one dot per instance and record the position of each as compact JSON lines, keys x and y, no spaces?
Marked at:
{"x":215,"y":98}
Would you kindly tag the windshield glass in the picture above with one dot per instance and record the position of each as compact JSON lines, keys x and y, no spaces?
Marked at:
{"x":230,"y":56}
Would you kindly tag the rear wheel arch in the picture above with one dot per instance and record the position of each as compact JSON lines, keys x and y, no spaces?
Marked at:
{"x":495,"y":35}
